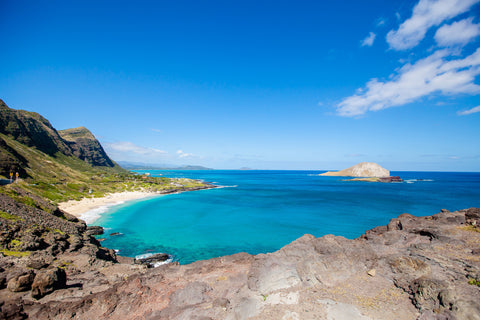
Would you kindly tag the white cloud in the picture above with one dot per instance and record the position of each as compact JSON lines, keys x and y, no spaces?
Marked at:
{"x":469,"y":111}
{"x":381,"y":22}
{"x":457,"y":33}
{"x":426,"y":14}
{"x":182,"y":154}
{"x":433,"y":74}
{"x":129,"y":147}
{"x":368,"y":41}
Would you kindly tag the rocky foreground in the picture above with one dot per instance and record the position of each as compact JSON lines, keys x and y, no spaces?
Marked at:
{"x":413,"y":268}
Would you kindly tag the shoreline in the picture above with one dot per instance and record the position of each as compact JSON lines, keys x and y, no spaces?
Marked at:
{"x":90,"y":209}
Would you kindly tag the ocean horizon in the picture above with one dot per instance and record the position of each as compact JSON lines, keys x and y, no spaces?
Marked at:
{"x":260,"y":211}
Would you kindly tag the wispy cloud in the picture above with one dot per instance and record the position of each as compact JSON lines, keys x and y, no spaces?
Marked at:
{"x":433,"y":74}
{"x":156,"y":130}
{"x":381,"y":22}
{"x":129,"y":147}
{"x":182,"y":154}
{"x":426,"y":14}
{"x":469,"y":111}
{"x":368,"y":41}
{"x":457,"y":33}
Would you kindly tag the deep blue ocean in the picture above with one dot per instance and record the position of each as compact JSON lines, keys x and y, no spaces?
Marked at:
{"x":261,"y":211}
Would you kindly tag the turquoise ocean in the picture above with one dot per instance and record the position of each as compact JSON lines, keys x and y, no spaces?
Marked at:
{"x":261,"y":211}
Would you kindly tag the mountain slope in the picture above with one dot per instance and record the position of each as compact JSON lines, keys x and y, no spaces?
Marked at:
{"x":86,"y":147}
{"x":31,"y":129}
{"x":21,"y":130}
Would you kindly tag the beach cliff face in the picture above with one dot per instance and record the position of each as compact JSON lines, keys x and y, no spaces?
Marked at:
{"x":413,"y":268}
{"x":363,"y":169}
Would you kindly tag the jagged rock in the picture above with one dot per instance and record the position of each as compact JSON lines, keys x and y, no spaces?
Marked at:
{"x":47,"y":281}
{"x":422,"y":270}
{"x":472,"y":216}
{"x":394,"y":224}
{"x":12,"y":310}
{"x":390,"y":179}
{"x":153,"y":259}
{"x":86,"y":147}
{"x":94,"y":230}
{"x":21,"y":282}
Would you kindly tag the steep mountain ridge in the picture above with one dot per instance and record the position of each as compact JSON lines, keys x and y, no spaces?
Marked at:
{"x":32,"y":130}
{"x":86,"y":147}
{"x":20,"y":129}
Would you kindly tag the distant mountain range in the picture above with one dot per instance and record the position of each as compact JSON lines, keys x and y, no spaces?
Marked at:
{"x":148,"y":166}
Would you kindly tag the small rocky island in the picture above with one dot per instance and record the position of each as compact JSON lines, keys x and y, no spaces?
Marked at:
{"x":365,"y":171}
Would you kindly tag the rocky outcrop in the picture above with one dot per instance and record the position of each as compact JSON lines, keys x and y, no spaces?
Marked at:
{"x":86,"y":147}
{"x":363,"y":169}
{"x":390,"y":179}
{"x":31,"y":129}
{"x":413,"y":268}
{"x":21,"y":130}
{"x":47,"y":281}
{"x":37,"y":248}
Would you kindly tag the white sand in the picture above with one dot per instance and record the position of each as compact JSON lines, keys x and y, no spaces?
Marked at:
{"x":90,"y":209}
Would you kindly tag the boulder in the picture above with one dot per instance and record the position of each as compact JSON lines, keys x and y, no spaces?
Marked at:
{"x":21,"y":282}
{"x":94,"y":230}
{"x":472,"y":216}
{"x":153,"y":259}
{"x":47,"y":281}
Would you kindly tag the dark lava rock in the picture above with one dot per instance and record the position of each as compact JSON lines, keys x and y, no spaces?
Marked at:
{"x":94,"y":230}
{"x":115,"y":234}
{"x":21,"y":282}
{"x":150,"y":261}
{"x":47,"y":281}
{"x":391,"y":179}
{"x":12,"y":310}
{"x":472,"y":216}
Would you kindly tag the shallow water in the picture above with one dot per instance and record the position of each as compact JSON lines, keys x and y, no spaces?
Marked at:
{"x":261,"y":211}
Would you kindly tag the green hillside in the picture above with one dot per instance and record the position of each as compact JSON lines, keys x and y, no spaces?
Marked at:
{"x":56,"y":166}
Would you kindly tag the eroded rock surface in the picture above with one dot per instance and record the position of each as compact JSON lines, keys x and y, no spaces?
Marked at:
{"x":414,"y":268}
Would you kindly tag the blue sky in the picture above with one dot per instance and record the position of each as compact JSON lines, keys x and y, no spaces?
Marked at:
{"x":260,"y":84}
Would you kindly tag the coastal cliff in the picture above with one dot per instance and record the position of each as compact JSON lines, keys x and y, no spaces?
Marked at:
{"x":363,"y":169}
{"x":51,"y":266}
{"x":412,"y":268}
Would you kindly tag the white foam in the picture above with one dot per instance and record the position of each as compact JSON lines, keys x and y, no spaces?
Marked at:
{"x":156,"y":264}
{"x":418,"y":180}
{"x":220,"y":187}
{"x":91,"y":216}
{"x":161,"y":263}
{"x":145,"y":255}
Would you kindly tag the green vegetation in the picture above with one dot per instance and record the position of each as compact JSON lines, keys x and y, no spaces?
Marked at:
{"x":18,"y":254}
{"x":8,"y":216}
{"x":470,"y":228}
{"x":68,"y":165}
{"x":474,"y":282}
{"x":62,"y":178}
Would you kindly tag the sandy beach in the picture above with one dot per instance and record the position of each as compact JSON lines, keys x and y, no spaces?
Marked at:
{"x":89,"y":209}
